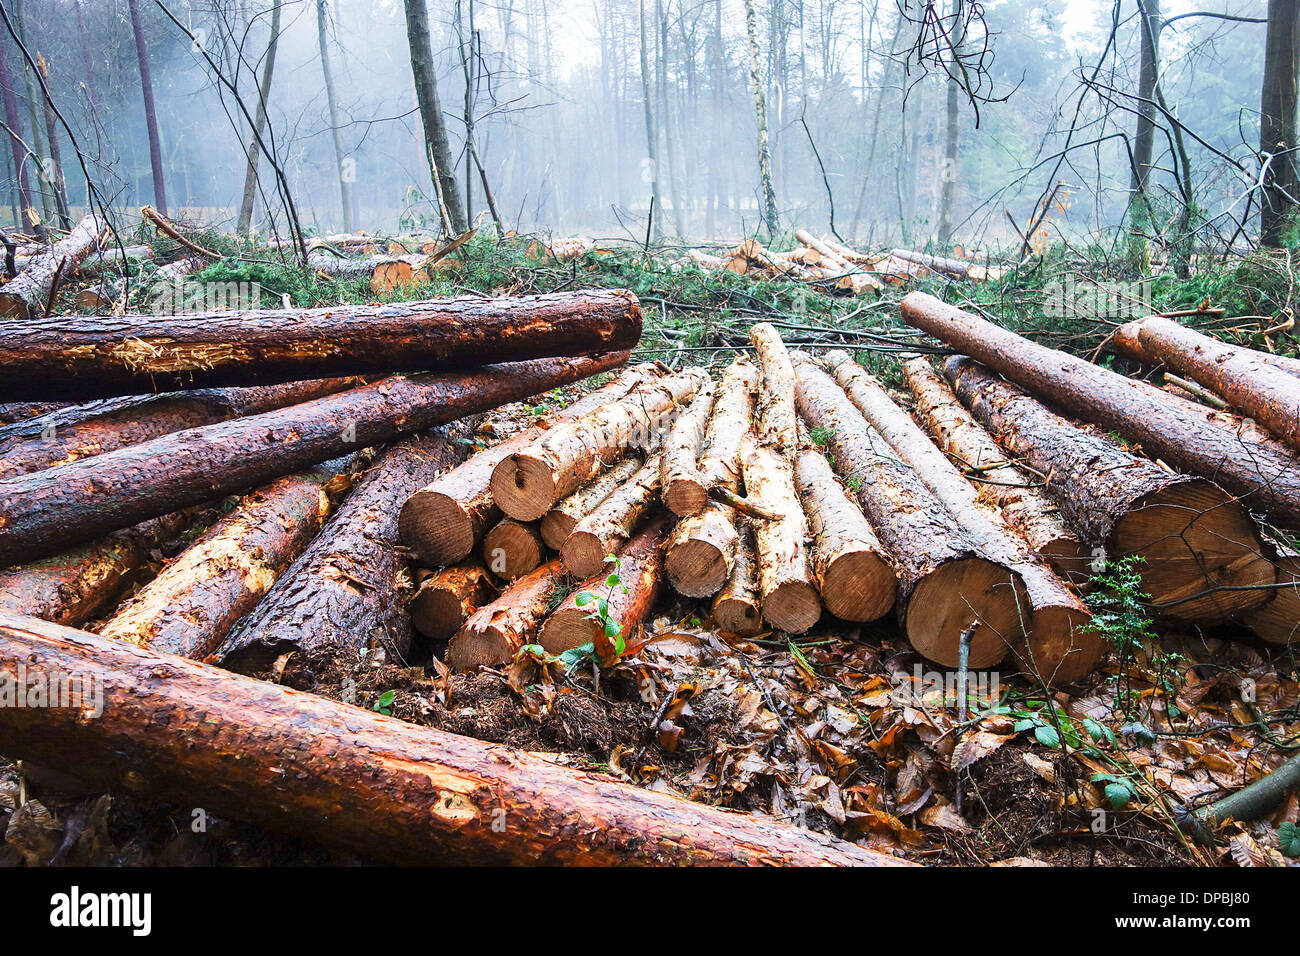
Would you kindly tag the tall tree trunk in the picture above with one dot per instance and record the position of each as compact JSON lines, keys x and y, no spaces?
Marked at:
{"x":760,"y":111}
{"x":1277,"y":126}
{"x":15,"y":141}
{"x":150,"y":116}
{"x":57,"y":181}
{"x":345,"y":181}
{"x":35,"y":102}
{"x":263,"y":94}
{"x":87,"y":60}
{"x":651,"y":151}
{"x":436,"y":145}
{"x":717,"y":73}
{"x":665,"y":120}
{"x":948,"y":176}
{"x":1149,"y":24}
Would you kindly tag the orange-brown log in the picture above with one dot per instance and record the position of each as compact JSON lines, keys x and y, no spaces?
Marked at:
{"x":738,"y":608}
{"x":684,"y":491}
{"x":512,"y":548}
{"x":559,"y":522}
{"x":445,"y":599}
{"x":1278,"y":620}
{"x":494,"y":633}
{"x":1126,"y":340}
{"x":28,"y":293}
{"x":702,"y":550}
{"x":11,"y":412}
{"x":603,"y":531}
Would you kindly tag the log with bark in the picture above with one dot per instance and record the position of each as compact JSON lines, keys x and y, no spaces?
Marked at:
{"x":494,"y":633}
{"x":527,"y":483}
{"x":1059,"y":645}
{"x":640,"y":570}
{"x":349,"y":588}
{"x":1265,"y":481}
{"x":512,"y":548}
{"x":848,"y":275}
{"x":1278,"y":619}
{"x":443,"y":522}
{"x":190,"y":607}
{"x":1126,"y":340}
{"x":71,"y":357}
{"x":1000,"y":483}
{"x":775,"y":422}
{"x":959,"y":268}
{"x":605,"y":529}
{"x":81,"y":500}
{"x":944,"y":585}
{"x":737,"y":608}
{"x":1196,"y":541}
{"x":28,"y":294}
{"x":148,"y":416}
{"x":179,"y":731}
{"x":558,"y":523}
{"x":445,"y":599}
{"x":684,"y":492}
{"x":11,"y":412}
{"x":382,"y":273}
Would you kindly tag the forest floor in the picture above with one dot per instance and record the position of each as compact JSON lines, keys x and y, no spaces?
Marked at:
{"x":845,"y":729}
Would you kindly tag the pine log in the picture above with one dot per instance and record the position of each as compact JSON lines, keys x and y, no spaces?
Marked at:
{"x":74,"y":586}
{"x":1126,"y":340}
{"x":1000,"y":483}
{"x":148,"y":417}
{"x":850,"y":276}
{"x":445,"y":599}
{"x":854,"y":575}
{"x":106,"y":258}
{"x":512,"y":548}
{"x":11,"y":412}
{"x":190,"y":607}
{"x":684,"y":492}
{"x":27,"y":295}
{"x":178,"y":270}
{"x":527,"y":483}
{"x":445,"y":521}
{"x":952,"y":267}
{"x":493,"y":634}
{"x":775,"y":422}
{"x":1278,"y":620}
{"x":349,"y":588}
{"x":559,"y":522}
{"x":83,"y":499}
{"x":944,"y":584}
{"x":603,"y":531}
{"x":382,"y":273}
{"x":1192,"y":535}
{"x":733,"y":410}
{"x":178,"y":731}
{"x":1059,"y":647}
{"x":70,"y":357}
{"x":737,"y":608}
{"x":1266,"y":482}
{"x":640,"y":569}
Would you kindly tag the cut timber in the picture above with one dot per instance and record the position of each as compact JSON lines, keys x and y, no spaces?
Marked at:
{"x":349,"y":589}
{"x":178,"y":731}
{"x":952,"y":267}
{"x":1127,"y":340}
{"x":640,"y":570}
{"x":603,"y":531}
{"x":1000,"y":483}
{"x":11,"y":412}
{"x":702,"y":550}
{"x":494,"y":633}
{"x":856,"y":579}
{"x":512,"y":548}
{"x":1278,"y":621}
{"x":527,"y":483}
{"x":178,"y":270}
{"x":737,"y":608}
{"x":785,"y":578}
{"x":134,"y":421}
{"x":70,"y":357}
{"x":1059,"y":646}
{"x":192,"y":604}
{"x":72,"y":587}
{"x":559,"y":522}
{"x":1265,"y":481}
{"x":28,"y":293}
{"x":684,"y":491}
{"x":733,"y":410}
{"x":445,"y":599}
{"x":1193,"y":536}
{"x":854,"y":279}
{"x":383,"y":273}
{"x":944,"y":585}
{"x":1264,"y":392}
{"x":776,"y":424}
{"x":443,"y":522}
{"x":81,"y":500}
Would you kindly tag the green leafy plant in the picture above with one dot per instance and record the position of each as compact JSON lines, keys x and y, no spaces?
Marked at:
{"x":385,"y":703}
{"x":1119,"y":615}
{"x":1119,"y":790}
{"x":599,"y":606}
{"x":1288,"y":838}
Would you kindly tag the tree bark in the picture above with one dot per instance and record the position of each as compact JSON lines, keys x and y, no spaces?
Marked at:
{"x":1126,"y":341}
{"x":760,"y":112}
{"x":684,"y":491}
{"x":150,"y":116}
{"x":738,"y":608}
{"x":259,"y":123}
{"x":493,"y":634}
{"x":1265,"y":481}
{"x":437,"y":148}
{"x":559,"y":522}
{"x":1192,"y":535}
{"x":67,"y":357}
{"x":775,"y":422}
{"x":331,"y":98}
{"x":16,"y":412}
{"x":18,"y":151}
{"x":603,"y":531}
{"x":656,"y":202}
{"x":446,"y":598}
{"x":1278,"y":127}
{"x":362,"y":782}
{"x":526,"y":484}
{"x":1149,"y":27}
{"x":29,"y":293}
{"x":512,"y":548}
{"x":81,"y":500}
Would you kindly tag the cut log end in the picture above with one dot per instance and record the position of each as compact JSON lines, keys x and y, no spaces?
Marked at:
{"x":437,"y":527}
{"x":697,"y":568}
{"x":685,"y":497}
{"x":556,"y":527}
{"x":567,"y":628}
{"x":583,"y":554}
{"x":512,"y":549}
{"x":489,"y":647}
{"x":1278,"y":621}
{"x":524,"y":487}
{"x":955,"y":595}
{"x":859,"y":586}
{"x":738,"y":614}
{"x":1058,"y":649}
{"x":444,"y":600}
{"x":793,"y":606}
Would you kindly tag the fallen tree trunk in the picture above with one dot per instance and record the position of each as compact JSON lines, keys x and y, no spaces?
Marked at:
{"x":1193,"y":536}
{"x":178,"y":270}
{"x":105,"y":258}
{"x":190,"y":607}
{"x":29,"y":292}
{"x":640,"y":570}
{"x":81,"y":500}
{"x":512,"y":548}
{"x":11,"y":412}
{"x":382,"y":273}
{"x":494,"y":633}
{"x":445,"y":599}
{"x":68,"y":357}
{"x":1059,"y":647}
{"x":604,"y":530}
{"x":775,"y":422}
{"x":738,"y":608}
{"x":1278,"y":620}
{"x":854,"y":576}
{"x":849,"y":275}
{"x":527,"y":483}
{"x":559,"y":522}
{"x":944,"y":584}
{"x":952,"y":267}
{"x":349,"y":588}
{"x":684,"y":491}
{"x":1266,"y":482}
{"x":702,"y":550}
{"x":362,"y":782}
{"x":443,"y":522}
{"x":1000,"y":483}
{"x":150,"y":416}
{"x":1126,"y":340}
